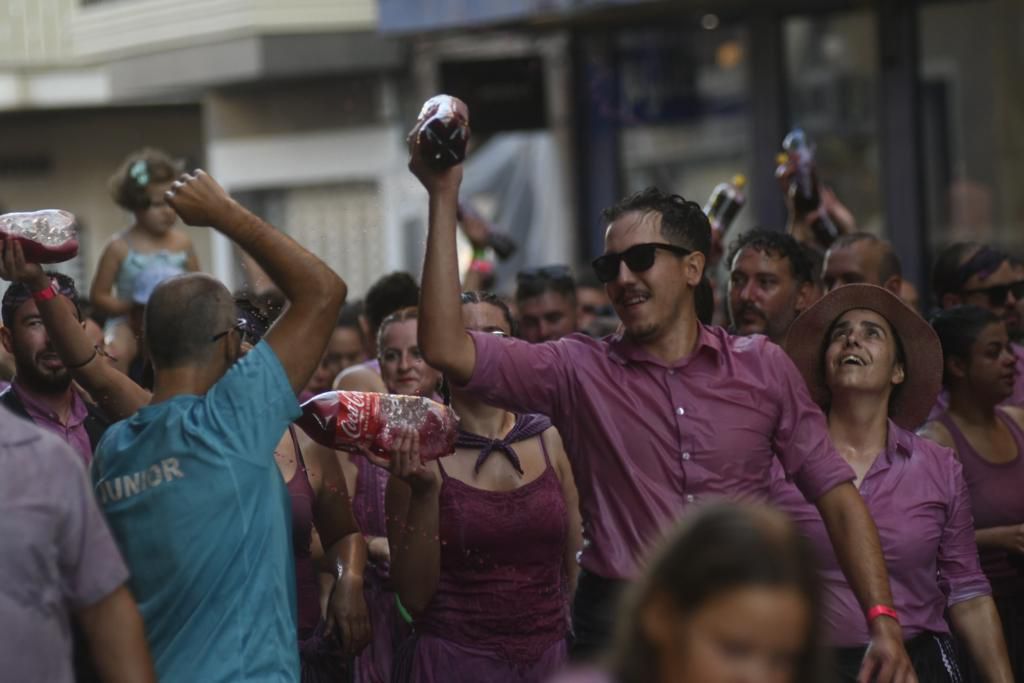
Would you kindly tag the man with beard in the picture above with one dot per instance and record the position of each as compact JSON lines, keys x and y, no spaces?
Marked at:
{"x":771,"y":281}
{"x":41,"y":390}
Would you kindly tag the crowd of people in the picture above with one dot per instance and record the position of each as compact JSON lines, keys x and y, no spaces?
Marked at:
{"x":824,"y":486}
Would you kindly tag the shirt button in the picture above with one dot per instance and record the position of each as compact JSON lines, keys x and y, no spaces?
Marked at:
{"x":680,"y":411}
{"x":671,"y":372}
{"x":686,"y":455}
{"x":689,"y":498}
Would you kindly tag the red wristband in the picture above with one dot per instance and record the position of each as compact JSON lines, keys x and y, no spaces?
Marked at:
{"x":882,"y":611}
{"x":47,"y":293}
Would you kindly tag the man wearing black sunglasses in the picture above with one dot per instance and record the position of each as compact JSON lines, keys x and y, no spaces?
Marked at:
{"x":668,"y":414}
{"x":976,"y":274}
{"x":546,"y":303}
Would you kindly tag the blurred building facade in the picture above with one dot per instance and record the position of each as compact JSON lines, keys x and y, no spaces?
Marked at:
{"x":291,"y":104}
{"x":915,"y":106}
{"x":300,"y":107}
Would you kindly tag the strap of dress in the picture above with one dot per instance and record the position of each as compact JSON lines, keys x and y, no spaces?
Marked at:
{"x":298,"y":449}
{"x":440,"y":466}
{"x":544,"y":448}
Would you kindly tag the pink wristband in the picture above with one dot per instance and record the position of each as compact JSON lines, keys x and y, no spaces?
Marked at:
{"x":47,"y":293}
{"x":882,"y":611}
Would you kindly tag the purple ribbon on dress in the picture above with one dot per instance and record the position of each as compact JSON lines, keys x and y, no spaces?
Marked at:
{"x":526,"y":427}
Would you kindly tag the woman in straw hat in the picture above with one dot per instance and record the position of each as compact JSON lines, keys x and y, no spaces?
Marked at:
{"x":875,"y":367}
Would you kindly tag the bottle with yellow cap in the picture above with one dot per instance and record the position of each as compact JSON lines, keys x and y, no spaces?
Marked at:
{"x":725,"y":203}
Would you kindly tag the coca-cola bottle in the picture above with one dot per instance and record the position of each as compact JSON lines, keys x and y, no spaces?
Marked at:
{"x":798,"y":155}
{"x":355,"y":420}
{"x":725,"y":203}
{"x":444,"y":131}
{"x":48,"y":236}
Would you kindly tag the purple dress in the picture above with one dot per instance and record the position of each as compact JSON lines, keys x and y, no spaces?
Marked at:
{"x":374,"y":664}
{"x":996,"y":500}
{"x":500,"y":611}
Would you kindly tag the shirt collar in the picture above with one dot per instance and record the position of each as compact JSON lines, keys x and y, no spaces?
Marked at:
{"x":37,"y":407}
{"x":624,"y":351}
{"x":900,"y":441}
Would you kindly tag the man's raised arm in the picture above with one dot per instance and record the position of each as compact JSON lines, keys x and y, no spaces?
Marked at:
{"x":315,"y":293}
{"x":442,"y":337}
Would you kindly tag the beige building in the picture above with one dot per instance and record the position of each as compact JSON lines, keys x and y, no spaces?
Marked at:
{"x":292,"y":104}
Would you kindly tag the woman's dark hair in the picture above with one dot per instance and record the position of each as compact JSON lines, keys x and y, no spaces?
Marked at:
{"x":719,"y":549}
{"x":958,"y":328}
{"x":137,"y":172}
{"x":494,"y":300}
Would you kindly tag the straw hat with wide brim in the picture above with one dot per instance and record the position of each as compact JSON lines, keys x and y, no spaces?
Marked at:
{"x":805,"y":344}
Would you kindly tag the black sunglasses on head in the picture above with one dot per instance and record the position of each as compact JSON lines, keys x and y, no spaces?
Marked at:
{"x":637,"y":258}
{"x":997,"y":293}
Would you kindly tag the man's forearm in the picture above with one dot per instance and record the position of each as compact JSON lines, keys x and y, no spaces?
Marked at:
{"x":116,"y":393}
{"x":976,"y":621}
{"x":441,"y":334}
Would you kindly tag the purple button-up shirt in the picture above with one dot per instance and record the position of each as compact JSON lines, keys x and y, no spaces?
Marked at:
{"x":73,"y":432}
{"x":58,"y":554}
{"x":916,"y":493}
{"x":646,"y":438}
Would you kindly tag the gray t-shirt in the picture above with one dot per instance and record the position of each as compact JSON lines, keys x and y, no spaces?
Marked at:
{"x":57,"y":553}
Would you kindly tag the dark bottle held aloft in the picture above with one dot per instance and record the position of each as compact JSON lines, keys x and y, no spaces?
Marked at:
{"x":444,"y":131}
{"x":804,"y":185}
{"x":725,"y":203}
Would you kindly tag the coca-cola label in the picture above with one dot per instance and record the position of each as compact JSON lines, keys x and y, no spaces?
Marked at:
{"x":359,"y":418}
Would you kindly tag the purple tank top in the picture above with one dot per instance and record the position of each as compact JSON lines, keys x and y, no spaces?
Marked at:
{"x":307,"y":587}
{"x":996,"y":500}
{"x":502,"y":585}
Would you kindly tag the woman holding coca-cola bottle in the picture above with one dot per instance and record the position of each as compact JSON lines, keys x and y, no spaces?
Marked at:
{"x":404,"y":372}
{"x":484,"y":541}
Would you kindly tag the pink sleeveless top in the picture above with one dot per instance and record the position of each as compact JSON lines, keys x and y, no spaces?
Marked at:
{"x":997,"y":499}
{"x":307,"y":585}
{"x":502,"y":586}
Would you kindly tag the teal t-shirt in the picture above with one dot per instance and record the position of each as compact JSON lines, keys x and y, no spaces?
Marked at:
{"x":197,"y":504}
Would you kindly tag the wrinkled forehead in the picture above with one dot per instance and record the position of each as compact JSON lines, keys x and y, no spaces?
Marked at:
{"x":631,"y":228}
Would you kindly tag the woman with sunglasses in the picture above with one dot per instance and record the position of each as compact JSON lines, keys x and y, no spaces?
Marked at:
{"x":483,"y":542}
{"x":850,"y":348}
{"x":988,"y":437}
